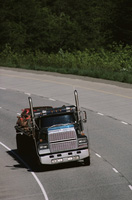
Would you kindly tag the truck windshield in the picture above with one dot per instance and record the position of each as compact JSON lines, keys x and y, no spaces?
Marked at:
{"x":57,"y":119}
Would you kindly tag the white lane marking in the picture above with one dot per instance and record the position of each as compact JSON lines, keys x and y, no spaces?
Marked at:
{"x":5,"y":146}
{"x":115,"y":170}
{"x":52,"y":99}
{"x":124,"y":123}
{"x":40,"y":185}
{"x":100,"y":114}
{"x":1,"y":88}
{"x":0,"y":107}
{"x":98,"y":155}
{"x":33,"y":174}
{"x":27,"y":93}
{"x":130,"y":186}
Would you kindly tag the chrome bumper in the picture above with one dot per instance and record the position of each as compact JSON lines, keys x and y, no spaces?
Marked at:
{"x":64,"y":157}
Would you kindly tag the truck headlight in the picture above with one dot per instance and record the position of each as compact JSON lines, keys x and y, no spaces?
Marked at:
{"x":43,"y":146}
{"x":82,"y":141}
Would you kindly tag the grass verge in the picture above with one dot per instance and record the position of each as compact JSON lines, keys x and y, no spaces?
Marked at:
{"x":113,"y":64}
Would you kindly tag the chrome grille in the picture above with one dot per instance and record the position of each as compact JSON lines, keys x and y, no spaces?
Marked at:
{"x":63,"y":146}
{"x":62,"y":138}
{"x":62,"y":134}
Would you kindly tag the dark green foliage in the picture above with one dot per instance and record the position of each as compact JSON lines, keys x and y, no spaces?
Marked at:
{"x":85,"y":37}
{"x":123,"y":22}
{"x":49,"y":25}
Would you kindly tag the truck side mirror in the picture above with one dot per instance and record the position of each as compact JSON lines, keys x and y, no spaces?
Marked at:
{"x":84,"y":116}
{"x":83,"y":119}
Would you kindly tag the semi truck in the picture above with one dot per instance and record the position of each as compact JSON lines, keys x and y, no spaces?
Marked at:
{"x":56,"y":133}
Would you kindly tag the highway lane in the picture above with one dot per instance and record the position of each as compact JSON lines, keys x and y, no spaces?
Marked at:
{"x":15,"y":182}
{"x":108,"y":177}
{"x":110,"y":98}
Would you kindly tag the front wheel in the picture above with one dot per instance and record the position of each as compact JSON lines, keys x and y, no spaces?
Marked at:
{"x":87,"y":161}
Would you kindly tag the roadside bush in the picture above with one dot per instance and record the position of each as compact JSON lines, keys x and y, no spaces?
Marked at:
{"x":112,"y":64}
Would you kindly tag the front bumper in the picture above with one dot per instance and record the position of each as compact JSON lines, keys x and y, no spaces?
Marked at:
{"x":63,"y":157}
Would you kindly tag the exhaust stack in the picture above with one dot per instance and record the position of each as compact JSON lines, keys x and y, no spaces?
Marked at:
{"x":31,"y":109}
{"x":77,"y":104}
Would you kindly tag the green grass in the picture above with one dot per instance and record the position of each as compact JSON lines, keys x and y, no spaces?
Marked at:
{"x":113,"y":64}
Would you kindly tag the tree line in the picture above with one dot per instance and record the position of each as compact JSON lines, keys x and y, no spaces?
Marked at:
{"x":70,"y":25}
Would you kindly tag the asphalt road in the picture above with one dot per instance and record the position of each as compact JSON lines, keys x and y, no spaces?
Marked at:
{"x":109,"y":110}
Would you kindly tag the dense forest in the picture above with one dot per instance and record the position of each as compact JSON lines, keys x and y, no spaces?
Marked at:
{"x":68,"y":27}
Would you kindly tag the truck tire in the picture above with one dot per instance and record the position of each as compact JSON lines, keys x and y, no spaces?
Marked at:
{"x":87,"y":161}
{"x":21,"y":144}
